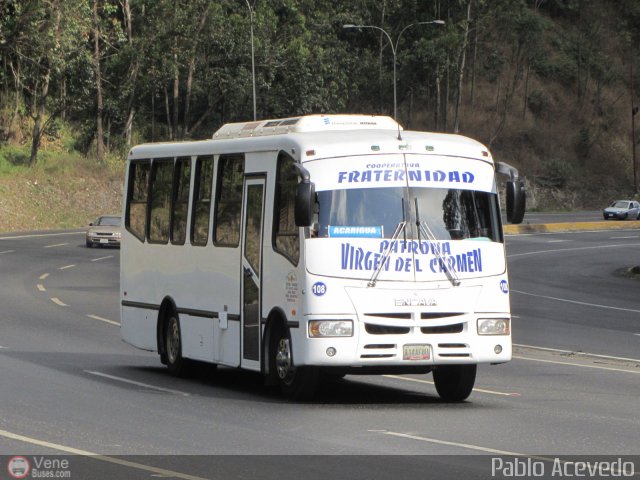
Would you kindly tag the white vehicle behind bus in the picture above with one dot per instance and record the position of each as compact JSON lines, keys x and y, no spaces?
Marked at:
{"x":321,"y":244}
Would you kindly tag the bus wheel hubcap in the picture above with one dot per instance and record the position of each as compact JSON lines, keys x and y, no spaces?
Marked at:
{"x":283,"y":358}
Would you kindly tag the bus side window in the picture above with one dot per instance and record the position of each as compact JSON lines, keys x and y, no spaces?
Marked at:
{"x":228,"y":207}
{"x":137,"y":198}
{"x":180,"y":203}
{"x":202,"y":201}
{"x":161,"y":183}
{"x":285,"y":233}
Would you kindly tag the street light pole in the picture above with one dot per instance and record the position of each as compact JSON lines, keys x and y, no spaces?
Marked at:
{"x":253,"y":62}
{"x":394,"y":51}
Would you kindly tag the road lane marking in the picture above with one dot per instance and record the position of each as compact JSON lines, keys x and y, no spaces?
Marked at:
{"x":139,"y":384}
{"x":96,"y":456}
{"x":624,"y":238}
{"x":7,"y":251}
{"x":106,"y":320}
{"x":477,"y":448}
{"x":558,"y":241}
{"x":44,"y":276}
{"x":430,"y":382}
{"x":66,"y":267}
{"x":102,"y":258}
{"x":572,"y":364}
{"x":1,"y":347}
{"x":556,"y":250}
{"x":467,"y":446}
{"x":576,"y":302}
{"x":56,"y":245}
{"x":57,"y":301}
{"x":582,"y":354}
{"x":42,"y":235}
{"x":41,"y":287}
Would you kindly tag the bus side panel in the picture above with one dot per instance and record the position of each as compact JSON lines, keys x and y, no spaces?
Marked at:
{"x":138,"y":327}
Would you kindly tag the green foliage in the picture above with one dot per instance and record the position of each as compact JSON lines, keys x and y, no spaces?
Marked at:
{"x":555,"y":173}
{"x":182,"y":68}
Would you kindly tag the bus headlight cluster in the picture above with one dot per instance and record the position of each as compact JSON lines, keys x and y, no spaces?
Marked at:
{"x":493,"y":326}
{"x":330,"y":328}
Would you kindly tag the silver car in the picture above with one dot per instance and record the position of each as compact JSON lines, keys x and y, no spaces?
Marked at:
{"x":622,"y":210}
{"x":106,"y":230}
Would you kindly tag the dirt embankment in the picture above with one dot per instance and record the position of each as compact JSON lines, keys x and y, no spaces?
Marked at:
{"x":35,"y":200}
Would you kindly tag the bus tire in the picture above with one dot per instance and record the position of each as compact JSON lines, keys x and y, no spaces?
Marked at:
{"x":298,"y":383}
{"x":173,"y":345}
{"x":454,"y":383}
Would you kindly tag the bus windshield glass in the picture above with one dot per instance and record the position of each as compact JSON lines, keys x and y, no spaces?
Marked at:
{"x":442,"y":213}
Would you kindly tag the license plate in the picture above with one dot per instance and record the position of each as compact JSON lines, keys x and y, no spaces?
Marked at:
{"x":104,"y":240}
{"x":416,"y":352}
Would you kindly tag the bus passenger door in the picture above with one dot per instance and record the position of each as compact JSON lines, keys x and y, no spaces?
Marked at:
{"x":253,"y":225}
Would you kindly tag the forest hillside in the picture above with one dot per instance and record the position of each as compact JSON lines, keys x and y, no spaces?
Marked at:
{"x":551,"y":86}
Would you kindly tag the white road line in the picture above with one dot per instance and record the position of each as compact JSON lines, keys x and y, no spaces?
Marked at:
{"x":101,"y":258}
{"x":586,"y":304}
{"x":477,"y":448}
{"x":623,"y":238}
{"x":7,"y":251}
{"x":106,"y":320}
{"x":1,"y":347}
{"x":96,"y":456}
{"x":581,"y":354}
{"x":571,"y":364}
{"x":42,"y":235}
{"x":43,"y":276}
{"x":57,"y":301}
{"x":139,"y":384}
{"x":466,"y":446}
{"x":56,"y":245}
{"x":41,"y":287}
{"x":429,"y":382}
{"x":558,"y":241}
{"x":66,"y":267}
{"x":556,"y":250}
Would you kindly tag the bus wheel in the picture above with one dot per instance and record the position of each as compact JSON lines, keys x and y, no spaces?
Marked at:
{"x":454,"y":383}
{"x":299,"y":383}
{"x":173,"y":345}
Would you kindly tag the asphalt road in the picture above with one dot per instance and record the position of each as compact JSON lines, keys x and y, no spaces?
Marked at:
{"x":70,"y":387}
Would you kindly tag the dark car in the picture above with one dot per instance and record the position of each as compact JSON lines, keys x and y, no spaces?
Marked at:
{"x":106,"y":230}
{"x":622,"y":210}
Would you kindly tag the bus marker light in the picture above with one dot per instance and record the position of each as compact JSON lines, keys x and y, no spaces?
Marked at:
{"x":498,"y":349}
{"x":331,"y":351}
{"x":310,"y":153}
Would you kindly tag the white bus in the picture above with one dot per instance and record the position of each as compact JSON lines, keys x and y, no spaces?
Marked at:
{"x":319,"y":245}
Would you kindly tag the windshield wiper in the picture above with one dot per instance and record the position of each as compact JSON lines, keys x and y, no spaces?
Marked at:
{"x":423,"y":228}
{"x":387,"y":251}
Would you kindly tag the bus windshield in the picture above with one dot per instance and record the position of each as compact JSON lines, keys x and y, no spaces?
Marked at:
{"x":442,"y":213}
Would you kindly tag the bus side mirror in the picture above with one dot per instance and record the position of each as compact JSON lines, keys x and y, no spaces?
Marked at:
{"x":305,"y":201}
{"x":516,"y":201}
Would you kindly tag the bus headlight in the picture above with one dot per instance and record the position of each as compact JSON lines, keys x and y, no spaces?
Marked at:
{"x":493,"y":326}
{"x":330,"y":328}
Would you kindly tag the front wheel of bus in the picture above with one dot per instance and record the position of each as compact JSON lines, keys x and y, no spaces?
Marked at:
{"x":299,"y":383}
{"x":454,"y":383}
{"x":173,"y":345}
